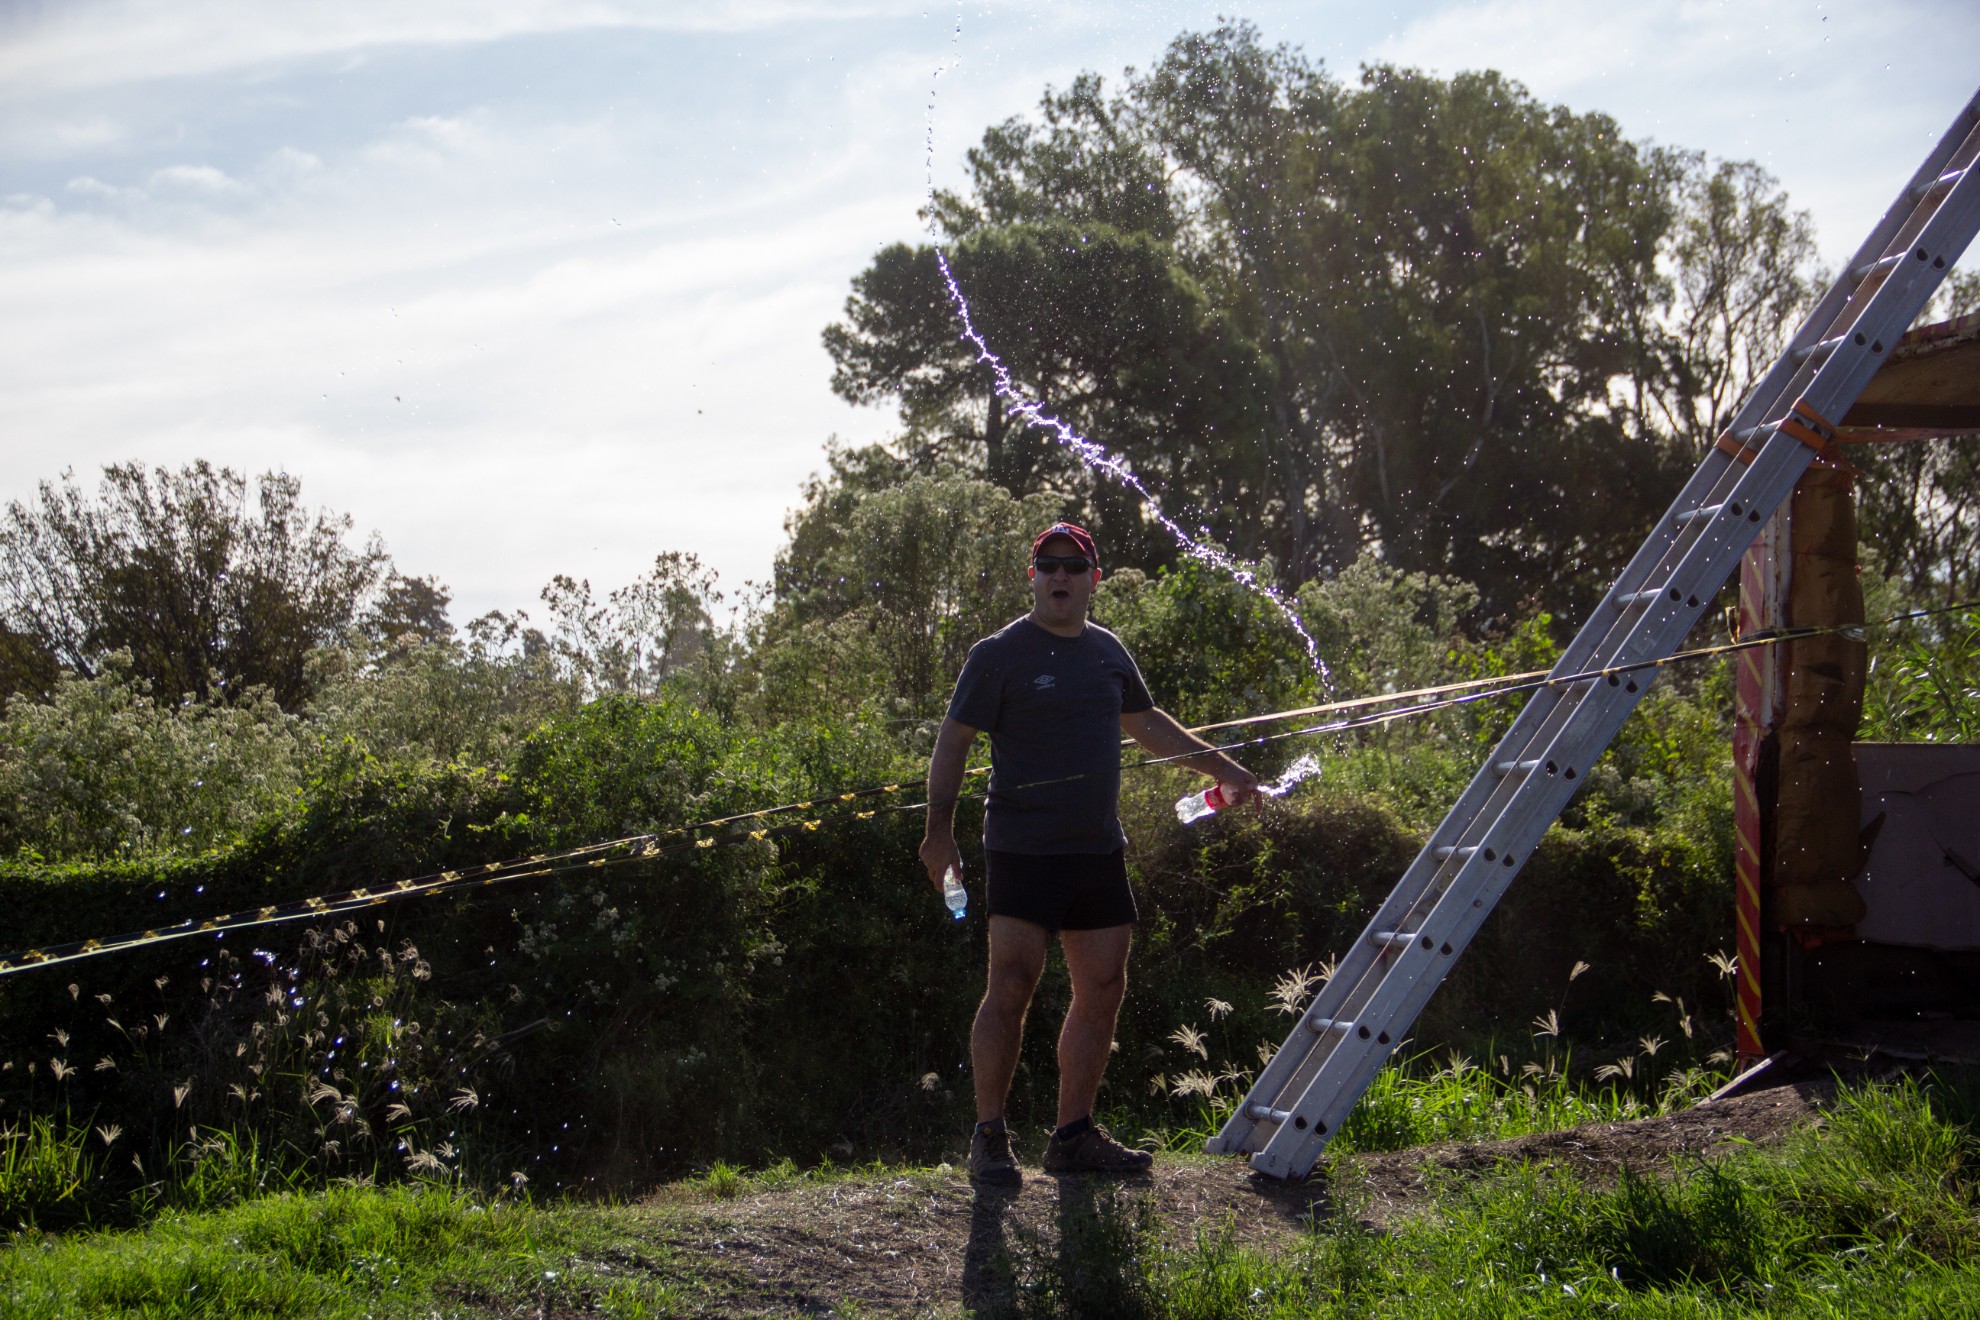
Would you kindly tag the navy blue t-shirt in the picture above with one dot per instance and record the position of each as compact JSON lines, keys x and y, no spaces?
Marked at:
{"x":1052,"y":706}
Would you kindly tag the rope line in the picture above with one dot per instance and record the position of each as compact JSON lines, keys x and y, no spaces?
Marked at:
{"x":678,"y":840}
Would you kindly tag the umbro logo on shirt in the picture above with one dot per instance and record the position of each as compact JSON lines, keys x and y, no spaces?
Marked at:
{"x":1043,"y":681}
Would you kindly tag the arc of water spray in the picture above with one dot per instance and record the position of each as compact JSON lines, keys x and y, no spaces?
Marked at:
{"x":1096,"y":457}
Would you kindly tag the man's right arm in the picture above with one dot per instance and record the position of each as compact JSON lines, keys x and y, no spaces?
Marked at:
{"x":945,"y":776}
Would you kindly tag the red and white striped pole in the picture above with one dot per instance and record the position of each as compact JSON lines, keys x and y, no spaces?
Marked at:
{"x":1762,"y":596}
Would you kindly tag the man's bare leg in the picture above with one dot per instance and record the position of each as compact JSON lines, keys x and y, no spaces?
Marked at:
{"x":1097,"y":963}
{"x":1017,"y":959}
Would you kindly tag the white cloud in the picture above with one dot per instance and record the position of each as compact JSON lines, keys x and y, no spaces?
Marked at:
{"x":85,"y":186}
{"x":195,"y":178}
{"x":59,"y":137}
{"x":100,"y":43}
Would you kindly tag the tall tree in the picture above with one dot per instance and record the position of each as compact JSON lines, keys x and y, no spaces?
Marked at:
{"x":1745,"y":272}
{"x":1238,"y":126}
{"x":408,"y":608}
{"x":212,"y":586}
{"x":1920,"y":515}
{"x":1103,"y":326}
{"x":1452,"y":280}
{"x":1433,"y":312}
{"x":643,"y":632}
{"x":889,"y":579}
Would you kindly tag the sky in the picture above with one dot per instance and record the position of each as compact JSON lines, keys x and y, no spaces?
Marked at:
{"x":531,"y":287}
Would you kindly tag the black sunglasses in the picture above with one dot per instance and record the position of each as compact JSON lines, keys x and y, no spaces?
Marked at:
{"x":1073,"y":564}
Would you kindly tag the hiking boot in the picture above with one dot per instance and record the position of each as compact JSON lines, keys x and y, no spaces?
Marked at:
{"x":1094,"y":1151}
{"x":990,"y":1160}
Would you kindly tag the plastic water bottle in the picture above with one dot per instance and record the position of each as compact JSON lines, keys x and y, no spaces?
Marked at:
{"x":1198,"y":805}
{"x":954,"y":894}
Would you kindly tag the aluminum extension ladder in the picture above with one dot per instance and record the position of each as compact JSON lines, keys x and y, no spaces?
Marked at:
{"x":1380,"y":985}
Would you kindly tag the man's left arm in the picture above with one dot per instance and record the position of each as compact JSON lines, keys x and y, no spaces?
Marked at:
{"x":1157,"y":731}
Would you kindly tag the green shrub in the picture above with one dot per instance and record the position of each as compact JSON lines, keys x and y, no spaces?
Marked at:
{"x":889,"y":578}
{"x":44,"y":1175}
{"x":472,"y":702}
{"x":101,"y":769}
{"x":1208,"y":648}
{"x":1924,"y":682}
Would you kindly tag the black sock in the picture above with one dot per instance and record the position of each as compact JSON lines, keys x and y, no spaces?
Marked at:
{"x":990,"y":1125}
{"x":1073,"y":1129}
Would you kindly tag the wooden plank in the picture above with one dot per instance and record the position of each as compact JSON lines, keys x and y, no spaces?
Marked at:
{"x":1929,"y":386}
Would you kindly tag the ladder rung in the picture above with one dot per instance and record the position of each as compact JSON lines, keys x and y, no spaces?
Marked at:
{"x":1945,"y":180}
{"x":1448,"y":851}
{"x":1395,"y":939}
{"x":1259,"y":1112}
{"x":1869,"y":268}
{"x":1753,"y":433}
{"x":1827,"y":346}
{"x":1321,"y":1026}
{"x":1699,"y":514}
{"x":1504,"y":768}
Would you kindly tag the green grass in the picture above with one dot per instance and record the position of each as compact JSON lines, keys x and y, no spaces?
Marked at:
{"x":1417,"y":1101}
{"x":345,"y":1252}
{"x":1874,"y":1212}
{"x":723,"y":1181}
{"x":44,"y":1173}
{"x":368,"y":1251}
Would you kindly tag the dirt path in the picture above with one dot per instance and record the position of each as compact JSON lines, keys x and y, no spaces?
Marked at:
{"x":928,"y":1242}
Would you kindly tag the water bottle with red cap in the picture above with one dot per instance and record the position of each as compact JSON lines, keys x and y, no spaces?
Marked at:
{"x":1198,"y":805}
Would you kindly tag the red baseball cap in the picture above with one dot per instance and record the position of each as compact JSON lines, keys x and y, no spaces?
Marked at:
{"x":1079,"y":536}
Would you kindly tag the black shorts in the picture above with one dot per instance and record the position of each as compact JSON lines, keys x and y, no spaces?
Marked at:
{"x":1060,"y":891}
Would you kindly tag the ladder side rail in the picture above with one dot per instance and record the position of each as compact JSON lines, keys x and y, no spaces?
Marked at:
{"x":1856,"y":339}
{"x":1534,"y":739}
{"x":1340,"y":1083}
{"x":1348,"y":994}
{"x":1334,"y":998}
{"x":1713,"y":484}
{"x":1339,"y":999}
{"x":1706,"y":488}
{"x":1581,"y":731}
{"x":1316,"y":1115}
{"x":1533,"y":802}
{"x":1954,"y":148}
{"x":1343,"y":1002}
{"x":1877,"y":313}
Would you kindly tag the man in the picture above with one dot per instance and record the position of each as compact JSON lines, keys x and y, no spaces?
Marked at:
{"x":1055,"y":693}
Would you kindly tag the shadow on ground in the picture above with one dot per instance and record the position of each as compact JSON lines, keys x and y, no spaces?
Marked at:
{"x":909,"y":1243}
